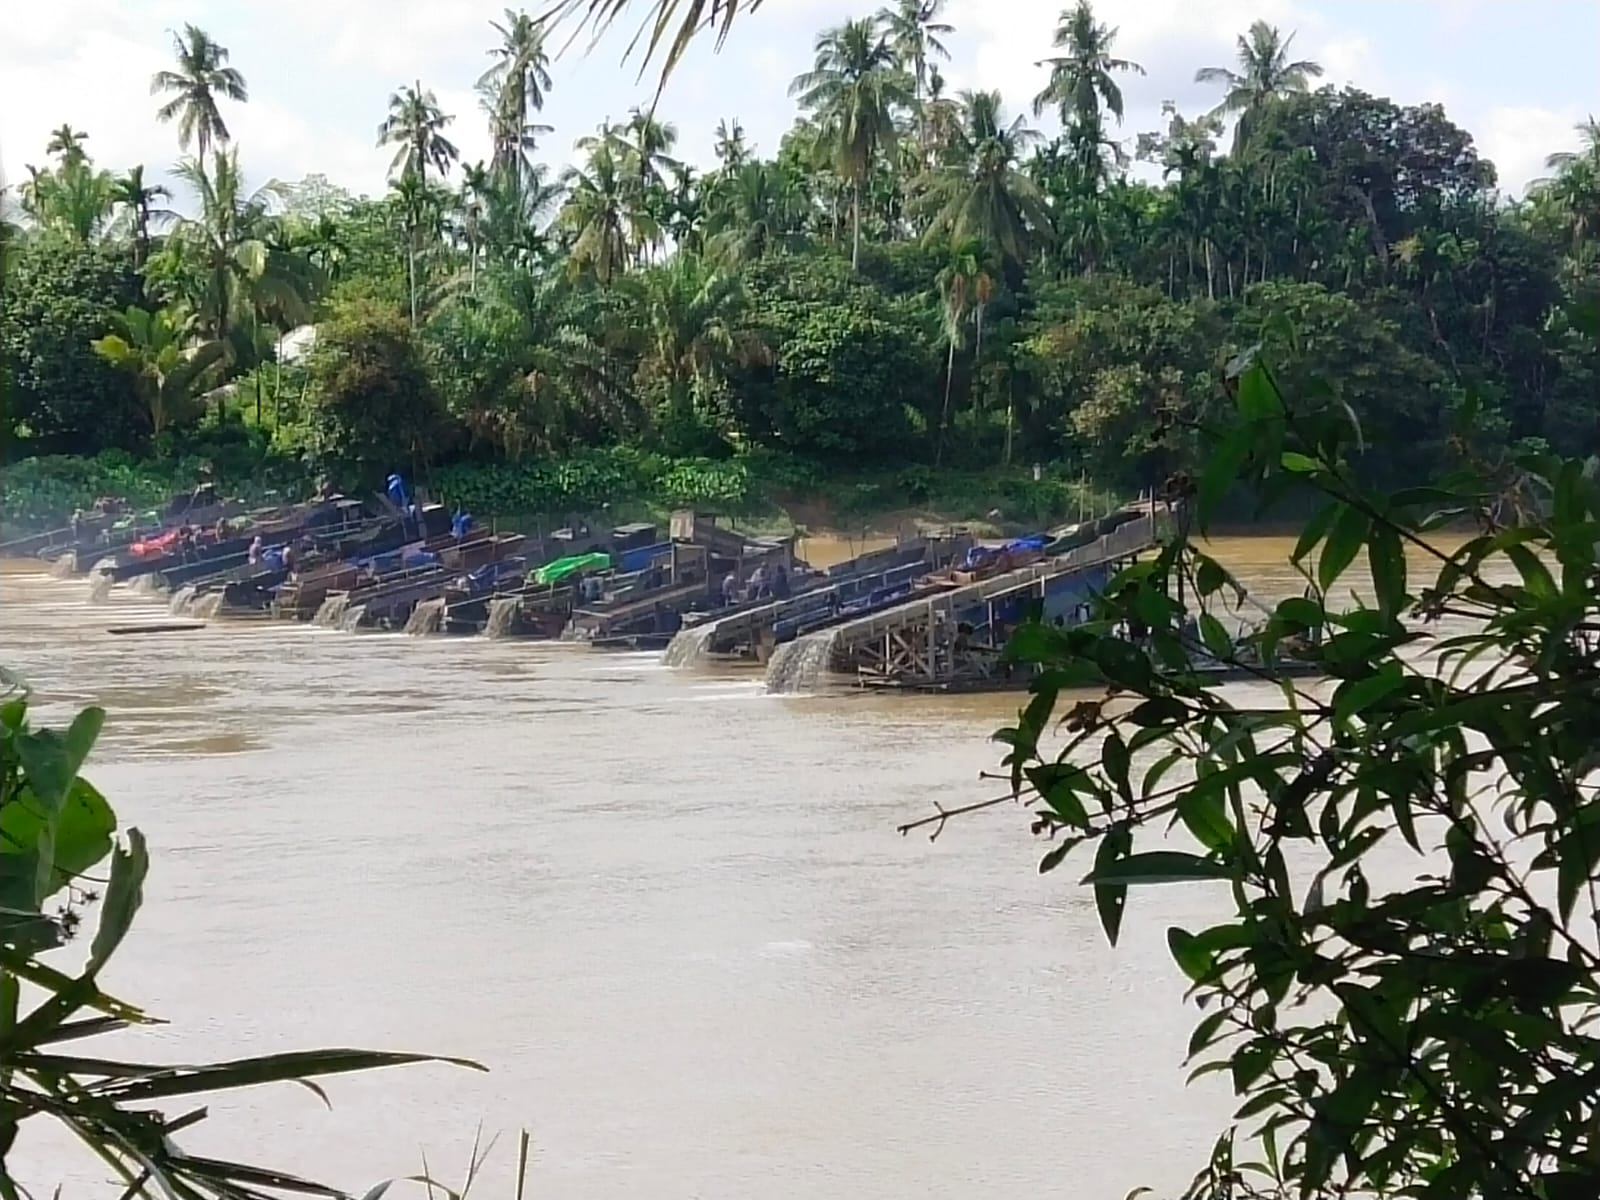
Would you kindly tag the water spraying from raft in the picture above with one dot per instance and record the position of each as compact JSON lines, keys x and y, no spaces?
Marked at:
{"x":100,"y":586}
{"x":350,"y":620}
{"x":427,"y":617}
{"x":330,"y":614}
{"x":689,"y":646}
{"x":798,"y":666}
{"x":64,"y":566}
{"x":209,"y":605}
{"x":182,"y":599}
{"x":502,"y":617}
{"x":149,"y":584}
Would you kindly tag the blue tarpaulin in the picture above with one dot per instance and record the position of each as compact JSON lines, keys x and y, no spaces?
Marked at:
{"x":638,"y":560}
{"x":978,"y":555}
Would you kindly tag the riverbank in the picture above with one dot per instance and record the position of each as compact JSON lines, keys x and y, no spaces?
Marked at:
{"x":760,"y":493}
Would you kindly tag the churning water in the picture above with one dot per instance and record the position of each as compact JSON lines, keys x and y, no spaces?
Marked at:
{"x":502,"y":618}
{"x":690,"y":645}
{"x":798,"y":666}
{"x":427,"y":617}
{"x":330,"y":613}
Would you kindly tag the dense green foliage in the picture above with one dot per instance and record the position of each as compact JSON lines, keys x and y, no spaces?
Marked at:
{"x":58,"y":846}
{"x":59,"y":297}
{"x":910,"y":278}
{"x":1402,"y":986}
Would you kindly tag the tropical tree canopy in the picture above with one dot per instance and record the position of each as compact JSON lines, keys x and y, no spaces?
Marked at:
{"x":415,"y":126}
{"x":200,"y":78}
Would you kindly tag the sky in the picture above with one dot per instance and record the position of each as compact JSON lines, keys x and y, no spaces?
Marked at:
{"x":1517,"y":74}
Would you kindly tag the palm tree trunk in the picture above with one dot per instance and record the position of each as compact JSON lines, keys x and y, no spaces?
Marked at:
{"x":944,"y":417}
{"x":855,"y":221}
{"x":277,"y":385}
{"x":411,"y":277}
{"x":977,"y":357}
{"x":1011,"y":411}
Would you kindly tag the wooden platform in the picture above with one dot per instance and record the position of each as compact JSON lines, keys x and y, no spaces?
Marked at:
{"x":952,"y":639}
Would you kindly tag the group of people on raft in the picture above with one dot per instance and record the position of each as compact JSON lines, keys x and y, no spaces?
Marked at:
{"x":765,"y":583}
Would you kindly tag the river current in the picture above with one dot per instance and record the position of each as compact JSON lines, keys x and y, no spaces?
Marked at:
{"x":669,"y":912}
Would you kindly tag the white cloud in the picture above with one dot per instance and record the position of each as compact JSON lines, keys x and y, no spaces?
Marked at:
{"x":320,"y":72}
{"x":1518,"y":138}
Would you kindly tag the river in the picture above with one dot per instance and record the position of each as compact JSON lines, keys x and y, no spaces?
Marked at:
{"x":669,"y":912}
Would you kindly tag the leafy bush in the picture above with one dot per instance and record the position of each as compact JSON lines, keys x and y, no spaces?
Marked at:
{"x":40,"y":493}
{"x":1402,"y":988}
{"x":587,"y":481}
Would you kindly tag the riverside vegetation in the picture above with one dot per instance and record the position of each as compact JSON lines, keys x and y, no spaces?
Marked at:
{"x":1424,"y":1039}
{"x":912,"y":299}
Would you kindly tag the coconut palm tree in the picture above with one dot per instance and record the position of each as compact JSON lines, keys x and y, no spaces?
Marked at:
{"x":854,"y":92}
{"x":420,"y":208}
{"x":955,"y":286}
{"x":1083,"y":79}
{"x":138,"y":204}
{"x":1588,"y":148}
{"x":245,"y":272}
{"x":941,"y":116}
{"x":67,"y":143}
{"x":913,"y":30}
{"x":201,"y":77}
{"x":1574,"y":190}
{"x":982,"y":193}
{"x":514,"y":146}
{"x":755,"y":211}
{"x":1265,"y":74}
{"x":158,"y":348}
{"x":600,"y":215}
{"x":517,"y":83}
{"x":647,"y":147}
{"x":730,"y":147}
{"x":415,"y":125}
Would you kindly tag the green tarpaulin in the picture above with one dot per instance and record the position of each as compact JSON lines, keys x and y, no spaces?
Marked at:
{"x":562,"y":567}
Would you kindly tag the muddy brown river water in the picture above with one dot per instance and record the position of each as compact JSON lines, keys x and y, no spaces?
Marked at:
{"x":669,"y":912}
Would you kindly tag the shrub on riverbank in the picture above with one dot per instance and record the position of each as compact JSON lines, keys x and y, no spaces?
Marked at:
{"x":762,"y":485}
{"x":39,"y":493}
